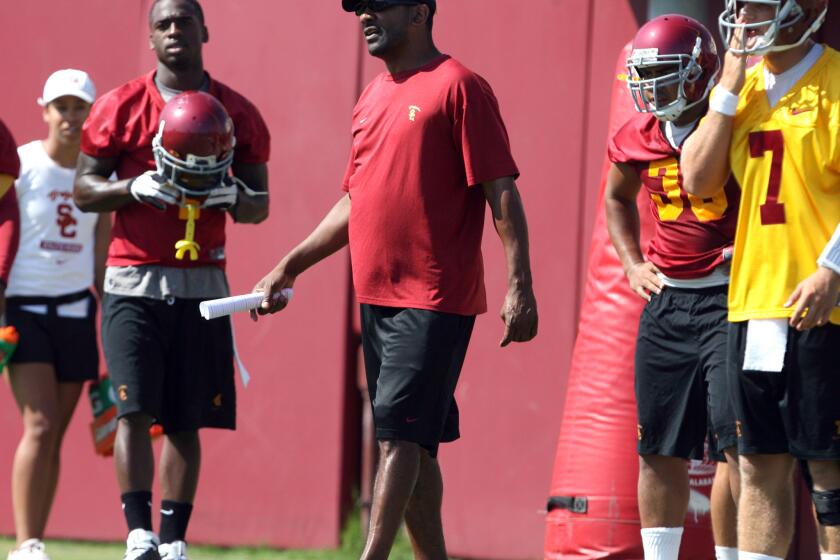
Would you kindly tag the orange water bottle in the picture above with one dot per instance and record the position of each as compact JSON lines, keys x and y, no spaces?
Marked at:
{"x":9,"y":339}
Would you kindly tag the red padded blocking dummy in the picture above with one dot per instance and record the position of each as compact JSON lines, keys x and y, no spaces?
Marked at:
{"x":596,"y":457}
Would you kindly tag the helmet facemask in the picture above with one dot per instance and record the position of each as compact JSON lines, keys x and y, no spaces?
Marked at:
{"x":194,"y":176}
{"x":786,"y":13}
{"x":648,"y":93}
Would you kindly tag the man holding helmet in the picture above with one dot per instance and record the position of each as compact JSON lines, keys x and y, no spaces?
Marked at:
{"x":775,"y":127}
{"x":173,"y":153}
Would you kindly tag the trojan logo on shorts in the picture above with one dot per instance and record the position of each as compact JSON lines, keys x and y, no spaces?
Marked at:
{"x":639,"y":431}
{"x":738,"y":428}
{"x":837,"y":425}
{"x":122,"y":391}
{"x":412,"y":112}
{"x":217,"y":401}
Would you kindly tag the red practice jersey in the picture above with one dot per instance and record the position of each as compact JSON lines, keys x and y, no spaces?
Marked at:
{"x":9,"y":162}
{"x":690,"y":232}
{"x":121,"y":125}
{"x":422,"y":141}
{"x":9,"y":212}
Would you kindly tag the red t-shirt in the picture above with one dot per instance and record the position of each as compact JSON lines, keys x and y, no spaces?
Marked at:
{"x":9,"y":162}
{"x":9,"y":213}
{"x":690,"y":233}
{"x":121,"y":125}
{"x":421,"y":141}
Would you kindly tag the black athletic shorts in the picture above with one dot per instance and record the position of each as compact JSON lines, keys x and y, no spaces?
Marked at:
{"x":794,"y":411}
{"x":413,"y":359}
{"x":68,"y":343}
{"x":166,"y":361}
{"x":681,"y":382}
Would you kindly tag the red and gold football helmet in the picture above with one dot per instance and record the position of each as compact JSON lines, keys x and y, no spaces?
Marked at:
{"x":672,"y":66}
{"x":791,"y":24}
{"x":193,"y":148}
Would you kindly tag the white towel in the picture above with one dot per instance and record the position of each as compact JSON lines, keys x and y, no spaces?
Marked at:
{"x":766,"y":345}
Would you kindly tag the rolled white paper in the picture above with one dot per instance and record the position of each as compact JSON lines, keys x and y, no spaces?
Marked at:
{"x":214,"y":308}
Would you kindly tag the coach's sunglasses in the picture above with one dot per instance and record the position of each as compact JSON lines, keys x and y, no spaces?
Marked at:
{"x":380,"y":5}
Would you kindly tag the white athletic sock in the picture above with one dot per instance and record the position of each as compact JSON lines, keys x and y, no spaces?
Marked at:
{"x":829,"y":556}
{"x":756,"y":556}
{"x":726,"y":553}
{"x":662,"y":543}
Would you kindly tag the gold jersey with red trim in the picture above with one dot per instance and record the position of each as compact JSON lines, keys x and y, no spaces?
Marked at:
{"x":787,"y":160}
{"x":690,"y":233}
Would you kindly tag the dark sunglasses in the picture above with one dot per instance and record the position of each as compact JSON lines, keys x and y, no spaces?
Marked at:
{"x":380,"y":5}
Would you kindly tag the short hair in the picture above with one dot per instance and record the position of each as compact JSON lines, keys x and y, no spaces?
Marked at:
{"x":199,"y":12}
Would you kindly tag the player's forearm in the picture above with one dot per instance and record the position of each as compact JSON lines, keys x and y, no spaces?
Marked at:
{"x":101,"y":241}
{"x":623,"y":227}
{"x":93,"y":193}
{"x":252,"y":202}
{"x":330,"y":236}
{"x":512,"y":227}
{"x":704,"y":162}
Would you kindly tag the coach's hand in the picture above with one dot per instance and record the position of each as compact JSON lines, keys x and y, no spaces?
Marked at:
{"x":152,"y":189}
{"x":519,"y":314}
{"x":271,"y":286}
{"x":815,"y":298}
{"x":644,"y":280}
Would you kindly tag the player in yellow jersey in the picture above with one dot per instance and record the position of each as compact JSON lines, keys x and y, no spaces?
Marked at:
{"x":776,"y":128}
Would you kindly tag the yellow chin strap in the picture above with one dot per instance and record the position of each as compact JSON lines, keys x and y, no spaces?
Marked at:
{"x":189,"y":212}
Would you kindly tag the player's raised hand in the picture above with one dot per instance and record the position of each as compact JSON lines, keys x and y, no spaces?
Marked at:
{"x":734,"y":70}
{"x":644,"y":280}
{"x":815,"y":298}
{"x":519,"y":314}
{"x":271,"y":286}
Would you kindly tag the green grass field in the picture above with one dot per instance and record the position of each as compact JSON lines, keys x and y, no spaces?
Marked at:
{"x":351,"y":547}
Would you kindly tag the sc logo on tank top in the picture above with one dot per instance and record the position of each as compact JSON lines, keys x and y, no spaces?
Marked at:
{"x":412,"y":112}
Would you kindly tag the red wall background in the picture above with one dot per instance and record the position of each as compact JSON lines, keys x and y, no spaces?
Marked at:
{"x":282,"y":479}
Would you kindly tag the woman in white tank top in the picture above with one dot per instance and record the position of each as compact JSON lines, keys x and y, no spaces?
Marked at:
{"x":61,"y":256}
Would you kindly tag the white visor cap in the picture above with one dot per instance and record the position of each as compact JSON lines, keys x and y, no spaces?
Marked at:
{"x":68,"y":82}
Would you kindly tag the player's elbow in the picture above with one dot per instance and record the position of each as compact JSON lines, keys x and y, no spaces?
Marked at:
{"x":701,"y":181}
{"x":81,"y":195}
{"x":251,"y":212}
{"x":260,"y":215}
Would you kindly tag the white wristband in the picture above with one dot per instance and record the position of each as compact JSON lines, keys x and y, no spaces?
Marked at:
{"x":724,"y":102}
{"x":830,"y":257}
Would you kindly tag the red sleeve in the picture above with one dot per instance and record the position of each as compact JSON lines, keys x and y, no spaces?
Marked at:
{"x":640,"y":139}
{"x":348,"y":172}
{"x":9,"y":162}
{"x":99,"y":134}
{"x":480,"y":133}
{"x":9,"y":232}
{"x":614,"y":151}
{"x":253,"y":141}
